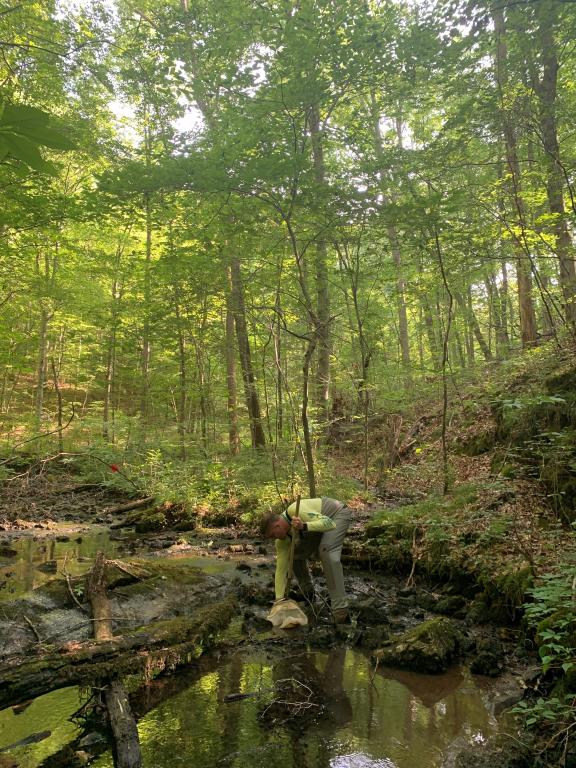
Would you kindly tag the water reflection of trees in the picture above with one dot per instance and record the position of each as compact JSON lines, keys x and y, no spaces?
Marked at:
{"x":401,"y":720}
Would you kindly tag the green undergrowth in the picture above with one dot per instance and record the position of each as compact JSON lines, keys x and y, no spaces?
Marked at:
{"x":535,"y":425}
{"x":551,"y":618}
{"x":216,"y":490}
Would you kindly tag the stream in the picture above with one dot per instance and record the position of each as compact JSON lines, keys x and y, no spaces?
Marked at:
{"x":364,"y":718}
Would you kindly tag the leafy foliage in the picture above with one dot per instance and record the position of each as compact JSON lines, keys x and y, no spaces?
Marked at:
{"x":23,"y":129}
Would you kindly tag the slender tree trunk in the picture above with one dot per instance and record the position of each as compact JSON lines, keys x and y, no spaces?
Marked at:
{"x":352,"y":267}
{"x":145,"y":358}
{"x":182,"y":377}
{"x":445,"y":347}
{"x":499,"y":313}
{"x":110,"y":374}
{"x":523,"y":262}
{"x":252,"y":399}
{"x":401,"y":302}
{"x":473,"y":320}
{"x":507,"y":312}
{"x":470,"y":348}
{"x":322,"y":285}
{"x":232,"y":395}
{"x":428,"y":316}
{"x":546,"y":314}
{"x":59,"y":401}
{"x":305,"y":423}
{"x":41,"y":364}
{"x":469,"y":342}
{"x":392,"y":232}
{"x":546,"y":89}
{"x":459,"y":348}
{"x":277,"y":328}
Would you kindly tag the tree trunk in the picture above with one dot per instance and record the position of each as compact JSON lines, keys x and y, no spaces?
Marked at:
{"x":322,"y":285}
{"x":546,"y":90}
{"x":388,"y":197}
{"x":473,"y":320}
{"x":109,"y":377}
{"x":126,"y":745}
{"x":523,"y":261}
{"x":96,"y":592}
{"x":305,"y":423}
{"x":232,"y":396}
{"x":58,"y":391}
{"x":41,"y":364}
{"x":251,"y":393}
{"x":278,"y":365}
{"x":145,"y":357}
{"x":181,"y":402}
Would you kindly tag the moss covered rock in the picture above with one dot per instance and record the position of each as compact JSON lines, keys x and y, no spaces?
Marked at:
{"x":429,"y":647}
{"x":450,"y":605}
{"x":487,"y":664}
{"x":374,"y":637}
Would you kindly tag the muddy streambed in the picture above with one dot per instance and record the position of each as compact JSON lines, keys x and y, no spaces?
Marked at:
{"x":230,"y":711}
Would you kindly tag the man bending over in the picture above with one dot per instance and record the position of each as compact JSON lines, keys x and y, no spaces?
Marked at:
{"x":322,"y":524}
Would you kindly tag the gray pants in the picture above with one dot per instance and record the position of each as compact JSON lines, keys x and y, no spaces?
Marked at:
{"x":328,"y":547}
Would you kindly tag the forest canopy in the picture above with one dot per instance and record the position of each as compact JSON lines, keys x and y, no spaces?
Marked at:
{"x":246,"y":224}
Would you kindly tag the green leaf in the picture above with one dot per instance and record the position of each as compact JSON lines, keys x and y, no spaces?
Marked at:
{"x":21,"y":114}
{"x":21,"y":148}
{"x":48,"y":137}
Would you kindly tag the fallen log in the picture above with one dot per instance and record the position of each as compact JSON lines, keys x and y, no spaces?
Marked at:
{"x":96,"y":586}
{"x":147,"y":650}
{"x":126,"y":744}
{"x":128,"y":505}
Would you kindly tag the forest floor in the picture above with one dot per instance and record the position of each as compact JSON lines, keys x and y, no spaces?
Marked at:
{"x":413,"y":553}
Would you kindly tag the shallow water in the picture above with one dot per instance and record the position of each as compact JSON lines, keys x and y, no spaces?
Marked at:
{"x":46,"y":716}
{"x":21,"y":573}
{"x":391,"y":719}
{"x":401,"y":720}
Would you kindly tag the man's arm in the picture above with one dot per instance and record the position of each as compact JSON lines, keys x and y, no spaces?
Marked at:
{"x":316,"y":522}
{"x":310,"y":513}
{"x":282,"y":563}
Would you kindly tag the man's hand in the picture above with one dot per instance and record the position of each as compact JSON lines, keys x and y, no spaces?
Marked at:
{"x":297,"y":524}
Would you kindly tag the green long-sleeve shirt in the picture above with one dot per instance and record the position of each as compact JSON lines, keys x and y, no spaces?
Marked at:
{"x":310,"y":512}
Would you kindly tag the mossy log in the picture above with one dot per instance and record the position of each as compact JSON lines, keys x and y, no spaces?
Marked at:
{"x":126,"y":744}
{"x":96,"y":593}
{"x":147,"y":650}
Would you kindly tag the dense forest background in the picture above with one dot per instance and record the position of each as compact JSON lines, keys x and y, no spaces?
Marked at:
{"x":238,"y":233}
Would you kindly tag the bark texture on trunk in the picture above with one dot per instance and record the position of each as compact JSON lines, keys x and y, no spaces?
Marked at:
{"x":125,"y":744}
{"x":322,"y":285}
{"x":546,"y":89}
{"x":96,"y":592}
{"x":526,"y":309}
{"x":251,"y":392}
{"x":232,"y":396}
{"x":470,"y":315}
